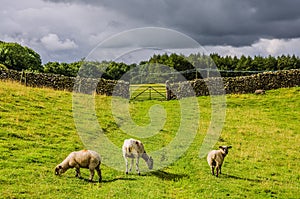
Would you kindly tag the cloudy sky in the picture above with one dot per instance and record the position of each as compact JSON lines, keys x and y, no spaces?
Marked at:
{"x":67,"y":30}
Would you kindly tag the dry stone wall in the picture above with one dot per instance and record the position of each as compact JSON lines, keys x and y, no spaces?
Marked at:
{"x":199,"y":87}
{"x":60,"y":82}
{"x":237,"y":85}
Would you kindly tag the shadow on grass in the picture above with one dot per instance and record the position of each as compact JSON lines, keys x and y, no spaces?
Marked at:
{"x":167,"y":176}
{"x":118,"y":178}
{"x":241,"y":178}
{"x":108,"y":181}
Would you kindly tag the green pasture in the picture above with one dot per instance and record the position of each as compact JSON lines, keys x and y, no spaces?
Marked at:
{"x":37,"y":131}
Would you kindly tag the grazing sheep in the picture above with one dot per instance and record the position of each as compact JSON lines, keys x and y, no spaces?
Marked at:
{"x":260,"y":92}
{"x":134,"y":149}
{"x":81,"y":159}
{"x":215,"y":159}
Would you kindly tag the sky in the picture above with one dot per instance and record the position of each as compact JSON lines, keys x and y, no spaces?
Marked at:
{"x":69,"y":30}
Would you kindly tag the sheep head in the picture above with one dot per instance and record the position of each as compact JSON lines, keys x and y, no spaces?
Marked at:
{"x":148,"y":160}
{"x":59,"y":170}
{"x":150,"y":163}
{"x":225,"y":149}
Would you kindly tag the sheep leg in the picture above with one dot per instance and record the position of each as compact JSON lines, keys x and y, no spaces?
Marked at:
{"x":220,"y":168}
{"x":92,"y":172}
{"x":78,"y":172}
{"x":137,"y":165}
{"x":217,"y":170}
{"x":212,"y":164}
{"x":99,"y":173}
{"x":212,"y":170}
{"x":132,"y":161}
{"x":126,"y":163}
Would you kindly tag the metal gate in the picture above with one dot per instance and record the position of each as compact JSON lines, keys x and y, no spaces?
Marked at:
{"x":148,"y":92}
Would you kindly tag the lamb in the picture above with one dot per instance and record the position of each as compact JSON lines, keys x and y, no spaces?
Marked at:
{"x":134,"y":149}
{"x":81,"y":159}
{"x":215,"y":159}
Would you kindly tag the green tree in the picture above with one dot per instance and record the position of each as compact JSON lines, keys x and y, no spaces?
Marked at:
{"x":258,"y":63}
{"x":177,"y":62}
{"x":52,"y":67}
{"x":91,"y":69}
{"x":16,"y":57}
{"x":270,"y":63}
{"x":115,"y":70}
{"x":67,"y":69}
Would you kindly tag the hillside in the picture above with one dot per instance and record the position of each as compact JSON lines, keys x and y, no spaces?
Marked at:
{"x":37,"y":132}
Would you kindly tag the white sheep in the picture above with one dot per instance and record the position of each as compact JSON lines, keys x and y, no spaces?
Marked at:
{"x":215,"y":159}
{"x":81,"y":159}
{"x":260,"y":92}
{"x":134,"y":149}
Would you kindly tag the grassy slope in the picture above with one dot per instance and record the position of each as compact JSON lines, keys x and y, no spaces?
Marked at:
{"x":37,"y":131}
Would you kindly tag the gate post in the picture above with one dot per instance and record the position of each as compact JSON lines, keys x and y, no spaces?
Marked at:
{"x":168,"y":91}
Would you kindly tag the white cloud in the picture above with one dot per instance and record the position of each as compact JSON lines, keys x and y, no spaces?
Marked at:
{"x":53,"y":42}
{"x":263,"y":47}
{"x":277,"y":47}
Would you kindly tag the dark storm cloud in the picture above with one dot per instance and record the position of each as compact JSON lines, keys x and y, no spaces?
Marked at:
{"x":67,"y":30}
{"x":213,"y":22}
{"x":150,"y":37}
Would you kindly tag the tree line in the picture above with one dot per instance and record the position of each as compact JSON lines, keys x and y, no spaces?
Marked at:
{"x":17,"y":57}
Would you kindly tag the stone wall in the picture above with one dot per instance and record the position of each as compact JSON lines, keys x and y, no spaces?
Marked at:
{"x":238,"y":85}
{"x":60,"y":82}
{"x":199,"y":87}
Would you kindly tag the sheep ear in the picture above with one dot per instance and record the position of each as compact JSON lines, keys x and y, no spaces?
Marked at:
{"x":220,"y":147}
{"x":229,"y":147}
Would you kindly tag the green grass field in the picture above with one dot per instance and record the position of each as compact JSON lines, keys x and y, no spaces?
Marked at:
{"x":37,"y":132}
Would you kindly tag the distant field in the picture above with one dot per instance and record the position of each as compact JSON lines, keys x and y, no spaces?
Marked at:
{"x":37,"y":132}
